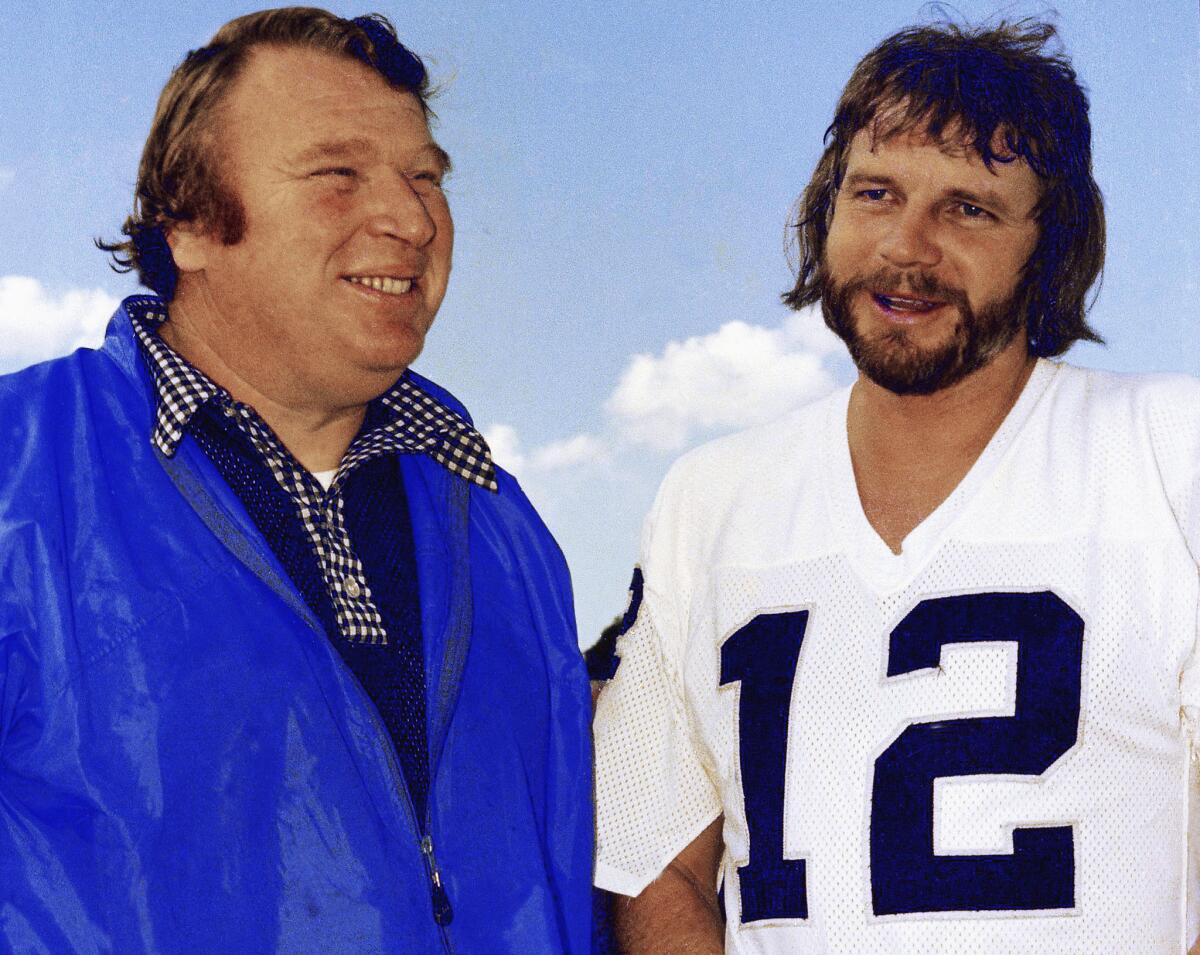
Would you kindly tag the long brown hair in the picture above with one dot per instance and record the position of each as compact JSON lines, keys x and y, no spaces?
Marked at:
{"x":983,"y":86}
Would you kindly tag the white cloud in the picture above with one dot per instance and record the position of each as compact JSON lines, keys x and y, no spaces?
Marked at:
{"x":7,"y":175}
{"x":36,"y":324}
{"x":505,"y":445}
{"x":580,"y":449}
{"x":806,"y":329}
{"x":735,"y":377}
{"x":507,"y":451}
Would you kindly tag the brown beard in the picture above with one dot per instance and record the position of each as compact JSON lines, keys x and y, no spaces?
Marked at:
{"x":893,"y":360}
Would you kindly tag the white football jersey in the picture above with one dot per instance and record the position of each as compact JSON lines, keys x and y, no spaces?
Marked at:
{"x":980,"y":745}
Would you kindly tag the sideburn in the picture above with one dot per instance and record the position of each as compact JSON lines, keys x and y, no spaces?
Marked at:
{"x":223,"y":212}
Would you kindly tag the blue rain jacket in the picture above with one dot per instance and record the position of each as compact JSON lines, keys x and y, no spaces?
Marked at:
{"x":186,"y":765}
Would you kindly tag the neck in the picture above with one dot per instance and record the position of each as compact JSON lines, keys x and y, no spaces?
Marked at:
{"x":317,"y":436}
{"x":970,"y":410}
{"x":909,"y":452}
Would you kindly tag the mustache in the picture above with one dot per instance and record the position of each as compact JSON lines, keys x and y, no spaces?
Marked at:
{"x":902,"y":282}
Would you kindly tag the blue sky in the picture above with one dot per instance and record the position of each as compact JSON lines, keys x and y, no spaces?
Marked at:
{"x":623,"y":173}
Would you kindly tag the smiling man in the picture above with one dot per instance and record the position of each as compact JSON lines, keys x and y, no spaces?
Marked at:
{"x":286,"y":663}
{"x":914,"y":670}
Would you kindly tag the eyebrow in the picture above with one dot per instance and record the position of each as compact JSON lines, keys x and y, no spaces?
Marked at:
{"x":985,"y":198}
{"x":357,"y":146}
{"x":855,"y":179}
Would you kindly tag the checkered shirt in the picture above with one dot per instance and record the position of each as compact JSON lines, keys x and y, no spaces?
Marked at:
{"x":416,"y":422}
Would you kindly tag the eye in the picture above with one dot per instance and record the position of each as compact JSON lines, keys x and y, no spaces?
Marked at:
{"x":970,"y":211}
{"x":426,"y":177}
{"x":347,"y":172}
{"x":873,"y":195}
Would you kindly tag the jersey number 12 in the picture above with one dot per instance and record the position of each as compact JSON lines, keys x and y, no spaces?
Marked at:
{"x":906,"y":875}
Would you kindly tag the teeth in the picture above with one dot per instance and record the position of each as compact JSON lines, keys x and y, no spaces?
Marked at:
{"x":906,"y":303}
{"x":383,"y":283}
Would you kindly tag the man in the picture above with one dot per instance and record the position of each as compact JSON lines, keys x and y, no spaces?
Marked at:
{"x":286,"y":664}
{"x":913,"y":670}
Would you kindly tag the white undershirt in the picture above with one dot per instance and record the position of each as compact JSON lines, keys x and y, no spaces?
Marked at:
{"x":325,"y":477}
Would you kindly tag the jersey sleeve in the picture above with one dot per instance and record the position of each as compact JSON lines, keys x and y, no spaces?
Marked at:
{"x":653,"y":793}
{"x":1174,"y":420}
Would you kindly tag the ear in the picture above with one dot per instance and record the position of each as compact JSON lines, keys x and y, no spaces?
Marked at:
{"x":190,"y":245}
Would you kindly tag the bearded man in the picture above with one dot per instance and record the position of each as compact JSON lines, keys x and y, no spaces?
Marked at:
{"x":914,"y":669}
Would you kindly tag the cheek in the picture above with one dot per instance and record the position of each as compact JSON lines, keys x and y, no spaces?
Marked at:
{"x":843,"y":245}
{"x":439,"y":212}
{"x":331,"y":198}
{"x":443,"y":243}
{"x":315,"y":229}
{"x":996,"y":270}
{"x":330,"y":208}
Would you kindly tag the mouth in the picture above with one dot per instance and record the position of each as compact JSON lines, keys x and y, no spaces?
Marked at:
{"x":385,"y":284}
{"x":905,"y":307}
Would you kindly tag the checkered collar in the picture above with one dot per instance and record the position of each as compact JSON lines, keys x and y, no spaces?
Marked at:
{"x":412,"y":419}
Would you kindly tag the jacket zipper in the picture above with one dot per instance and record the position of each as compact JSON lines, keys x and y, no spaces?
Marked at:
{"x":443,"y":913}
{"x":442,"y":910}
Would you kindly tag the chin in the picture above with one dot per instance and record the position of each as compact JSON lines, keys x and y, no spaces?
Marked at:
{"x":389,"y":348}
{"x":921,"y":358}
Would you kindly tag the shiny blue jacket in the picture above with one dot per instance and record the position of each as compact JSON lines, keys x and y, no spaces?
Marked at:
{"x":187,"y":766}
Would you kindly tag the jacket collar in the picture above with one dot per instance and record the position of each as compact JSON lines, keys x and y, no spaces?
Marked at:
{"x":420,"y":422}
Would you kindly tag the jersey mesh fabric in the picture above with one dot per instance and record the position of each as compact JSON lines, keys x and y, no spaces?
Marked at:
{"x":1082,"y":500}
{"x":668,"y":784}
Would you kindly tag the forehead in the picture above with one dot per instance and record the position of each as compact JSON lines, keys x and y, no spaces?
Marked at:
{"x":944,"y":162}
{"x":286,"y":97}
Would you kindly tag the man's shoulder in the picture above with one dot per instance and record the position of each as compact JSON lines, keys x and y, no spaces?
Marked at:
{"x":1156,"y":410}
{"x":53,"y":413}
{"x":787,"y":448}
{"x":734,"y":492}
{"x":1117,"y":432}
{"x":56,"y":381}
{"x":27,"y":384}
{"x":509,"y":505}
{"x":510,"y":523}
{"x":439,"y":394}
{"x":1131,"y":388}
{"x":43,"y":394}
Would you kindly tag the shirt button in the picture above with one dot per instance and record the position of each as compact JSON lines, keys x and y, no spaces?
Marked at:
{"x":352,"y":588}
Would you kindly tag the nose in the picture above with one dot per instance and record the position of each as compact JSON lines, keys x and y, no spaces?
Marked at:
{"x":911,"y":240}
{"x":399,"y":210}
